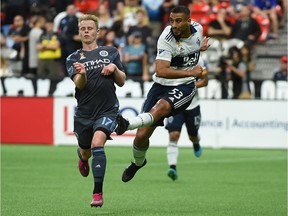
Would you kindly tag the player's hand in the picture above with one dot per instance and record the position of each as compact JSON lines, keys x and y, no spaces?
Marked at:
{"x":79,"y":68}
{"x":108,"y":69}
{"x":204,"y":71}
{"x":197,"y":71}
{"x":205,"y":44}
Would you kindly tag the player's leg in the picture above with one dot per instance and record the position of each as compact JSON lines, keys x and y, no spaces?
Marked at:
{"x":102,"y":128}
{"x":83,"y":165}
{"x":193,"y":121}
{"x":140,"y":147}
{"x":98,"y":167}
{"x":173,"y":99}
{"x":172,"y":154}
{"x":161,"y":102}
{"x":161,"y":109}
{"x":84,"y":134}
{"x":174,"y":125}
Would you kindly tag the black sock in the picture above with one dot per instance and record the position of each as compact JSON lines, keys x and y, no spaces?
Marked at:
{"x":196,"y":146}
{"x":98,"y":168}
{"x":98,"y":186}
{"x":173,"y":167}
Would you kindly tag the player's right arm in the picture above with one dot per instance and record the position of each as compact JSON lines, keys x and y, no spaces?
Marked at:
{"x":163,"y":70}
{"x":76,"y":71}
{"x":80,"y":78}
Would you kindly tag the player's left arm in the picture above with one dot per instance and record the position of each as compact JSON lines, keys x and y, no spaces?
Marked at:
{"x":203,"y":81}
{"x":205,"y":45}
{"x":119,"y":76}
{"x":115,"y":68}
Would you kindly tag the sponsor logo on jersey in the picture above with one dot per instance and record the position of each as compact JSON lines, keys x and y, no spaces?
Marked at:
{"x":103,"y":53}
{"x":82,"y":56}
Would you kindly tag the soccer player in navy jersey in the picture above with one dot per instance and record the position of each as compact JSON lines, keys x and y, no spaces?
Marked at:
{"x":94,"y":70}
{"x":176,"y":68}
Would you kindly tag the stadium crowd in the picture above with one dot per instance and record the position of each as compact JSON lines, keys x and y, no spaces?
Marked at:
{"x":38,"y":35}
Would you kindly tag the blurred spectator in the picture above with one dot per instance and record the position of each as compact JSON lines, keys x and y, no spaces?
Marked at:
{"x":249,"y":61}
{"x":222,"y":75}
{"x":120,"y":39}
{"x":113,"y":5}
{"x":68,"y":32}
{"x":129,"y":13}
{"x":18,"y":39}
{"x":281,"y":73}
{"x":118,"y":13}
{"x":49,"y":54}
{"x":267,"y":9}
{"x":5,"y":69}
{"x":69,"y":11}
{"x":104,"y":16}
{"x":220,"y":28}
{"x":142,"y":26}
{"x":101,"y":35}
{"x":236,"y":6}
{"x":237,"y":72}
{"x":284,"y":14}
{"x":72,"y":38}
{"x":34,"y":36}
{"x":136,"y":60}
{"x":110,"y":40}
{"x":155,"y":13}
{"x":246,"y":28}
{"x":167,"y":6}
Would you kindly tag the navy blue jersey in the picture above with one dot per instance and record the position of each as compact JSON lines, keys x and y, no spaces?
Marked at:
{"x":99,"y":94}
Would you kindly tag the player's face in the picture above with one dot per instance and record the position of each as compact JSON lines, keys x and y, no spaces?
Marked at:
{"x":180,"y":24}
{"x":88,"y":31}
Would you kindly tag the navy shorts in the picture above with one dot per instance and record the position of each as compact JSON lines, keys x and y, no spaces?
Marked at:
{"x":84,"y":129}
{"x":179,"y":98}
{"x":191,"y":118}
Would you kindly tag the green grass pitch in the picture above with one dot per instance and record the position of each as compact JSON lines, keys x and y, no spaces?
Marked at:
{"x":44,"y":181}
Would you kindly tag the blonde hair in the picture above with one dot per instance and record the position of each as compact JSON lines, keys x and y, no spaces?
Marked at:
{"x":144,"y":12}
{"x":89,"y":17}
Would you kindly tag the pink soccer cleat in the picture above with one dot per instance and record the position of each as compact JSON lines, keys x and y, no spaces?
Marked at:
{"x":97,"y":200}
{"x":83,"y":167}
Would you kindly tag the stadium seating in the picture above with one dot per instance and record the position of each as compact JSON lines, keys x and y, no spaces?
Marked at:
{"x":268,"y":90}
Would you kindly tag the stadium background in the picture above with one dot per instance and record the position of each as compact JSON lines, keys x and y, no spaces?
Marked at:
{"x":257,"y":123}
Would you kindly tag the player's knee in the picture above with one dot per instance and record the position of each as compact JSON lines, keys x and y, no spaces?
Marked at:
{"x":174,"y":136}
{"x":162,"y":108}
